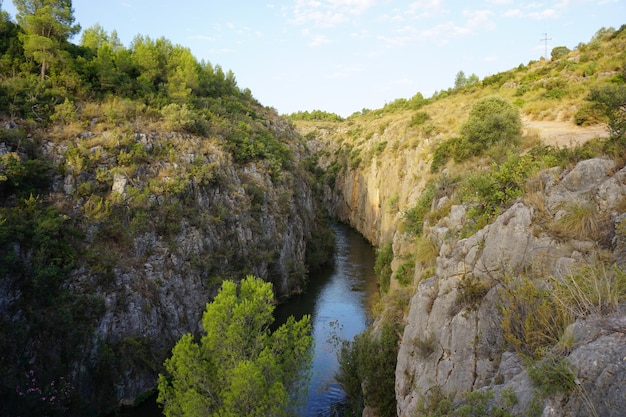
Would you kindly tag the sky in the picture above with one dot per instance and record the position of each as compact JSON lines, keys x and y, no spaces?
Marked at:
{"x":344,"y":56}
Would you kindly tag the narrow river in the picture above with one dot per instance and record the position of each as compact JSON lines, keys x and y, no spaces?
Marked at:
{"x":339,"y":299}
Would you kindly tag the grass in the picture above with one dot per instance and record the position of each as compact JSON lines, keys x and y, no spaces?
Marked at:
{"x":580,"y":221}
{"x":594,"y":289}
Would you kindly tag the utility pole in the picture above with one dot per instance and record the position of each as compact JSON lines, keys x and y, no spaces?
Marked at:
{"x":546,"y":39}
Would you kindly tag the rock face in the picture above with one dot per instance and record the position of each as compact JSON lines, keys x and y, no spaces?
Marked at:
{"x":165,"y":218}
{"x":458,"y":346}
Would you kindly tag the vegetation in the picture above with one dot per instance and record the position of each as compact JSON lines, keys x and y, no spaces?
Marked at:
{"x":382,"y":267}
{"x":315,"y":115}
{"x":239,"y":367}
{"x":493,"y":121}
{"x":101,"y":146}
{"x":367,"y":371}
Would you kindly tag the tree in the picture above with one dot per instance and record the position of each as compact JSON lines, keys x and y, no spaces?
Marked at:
{"x":46,"y":24}
{"x":492,"y":120}
{"x":239,"y":368}
{"x":559,"y":52}
{"x":610,"y":101}
{"x":460,"y":80}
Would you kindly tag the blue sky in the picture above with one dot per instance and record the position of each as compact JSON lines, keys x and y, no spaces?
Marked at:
{"x":345,"y":55}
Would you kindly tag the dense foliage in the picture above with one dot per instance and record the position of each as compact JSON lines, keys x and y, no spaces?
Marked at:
{"x":367,"y":371}
{"x":239,"y":367}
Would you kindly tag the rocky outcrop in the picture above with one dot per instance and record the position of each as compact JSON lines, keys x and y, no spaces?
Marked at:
{"x":164,"y":218}
{"x":456,"y":344}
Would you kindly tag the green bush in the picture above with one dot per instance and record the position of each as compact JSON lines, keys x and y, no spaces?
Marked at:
{"x":489,"y":192}
{"x":382,"y":266}
{"x":367,"y":370}
{"x":413,"y":218}
{"x":532,"y":320}
{"x":552,"y":375}
{"x":405,"y":272}
{"x":492,"y":120}
{"x":419,"y":118}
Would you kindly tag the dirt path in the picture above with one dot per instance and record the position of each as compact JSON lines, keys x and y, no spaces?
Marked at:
{"x":563,"y":133}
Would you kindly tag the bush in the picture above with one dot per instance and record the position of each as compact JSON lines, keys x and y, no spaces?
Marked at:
{"x":405,"y":273}
{"x":492,"y":120}
{"x":382,"y":266}
{"x":552,"y":375}
{"x":413,"y":218}
{"x":419,"y":118}
{"x":489,"y":192}
{"x":367,"y":368}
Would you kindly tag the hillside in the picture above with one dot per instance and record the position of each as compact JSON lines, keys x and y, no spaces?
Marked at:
{"x":498,"y":211}
{"x":133,"y":181}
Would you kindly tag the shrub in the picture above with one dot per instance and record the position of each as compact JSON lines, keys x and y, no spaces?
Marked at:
{"x":382,"y":266}
{"x":178,"y":117}
{"x":367,"y":370}
{"x":405,"y":273}
{"x":419,"y":118}
{"x":552,"y":375}
{"x":532,"y":320}
{"x":413,"y":218}
{"x":610,"y":100}
{"x":64,"y":113}
{"x":559,"y":52}
{"x":491,"y":120}
{"x":471,"y":291}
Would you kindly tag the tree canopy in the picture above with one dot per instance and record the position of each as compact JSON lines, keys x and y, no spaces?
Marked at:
{"x":46,"y":24}
{"x":239,"y":367}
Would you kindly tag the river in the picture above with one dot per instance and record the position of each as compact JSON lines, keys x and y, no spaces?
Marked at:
{"x":339,"y":299}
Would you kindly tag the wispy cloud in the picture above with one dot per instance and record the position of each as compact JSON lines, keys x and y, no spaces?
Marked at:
{"x":425,"y":8}
{"x":539,"y":11}
{"x":341,"y":72}
{"x":468,"y":23}
{"x":328,"y":13}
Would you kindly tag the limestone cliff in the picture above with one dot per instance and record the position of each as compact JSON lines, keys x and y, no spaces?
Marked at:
{"x":160,"y":220}
{"x":459,"y":348}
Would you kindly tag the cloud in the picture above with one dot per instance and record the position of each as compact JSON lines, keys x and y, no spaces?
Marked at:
{"x":425,"y":8}
{"x":342,"y":72}
{"x":479,"y":19}
{"x":328,"y":13}
{"x":319,"y":40}
{"x":204,"y":38}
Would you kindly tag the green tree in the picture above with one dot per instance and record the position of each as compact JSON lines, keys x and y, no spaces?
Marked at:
{"x":559,"y":52}
{"x":239,"y":368}
{"x":492,"y":120}
{"x":460,"y":80}
{"x":46,"y":24}
{"x":610,"y":101}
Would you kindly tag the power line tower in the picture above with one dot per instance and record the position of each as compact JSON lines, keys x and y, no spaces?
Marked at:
{"x":545,"y":40}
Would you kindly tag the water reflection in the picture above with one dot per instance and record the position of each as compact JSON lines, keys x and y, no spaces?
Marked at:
{"x":339,"y":299}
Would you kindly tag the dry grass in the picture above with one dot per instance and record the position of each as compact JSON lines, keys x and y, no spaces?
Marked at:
{"x":426,"y":251}
{"x":595,"y":289}
{"x":580,"y":221}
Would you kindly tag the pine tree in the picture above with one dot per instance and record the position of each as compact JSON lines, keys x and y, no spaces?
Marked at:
{"x":239,"y":368}
{"x":46,"y":24}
